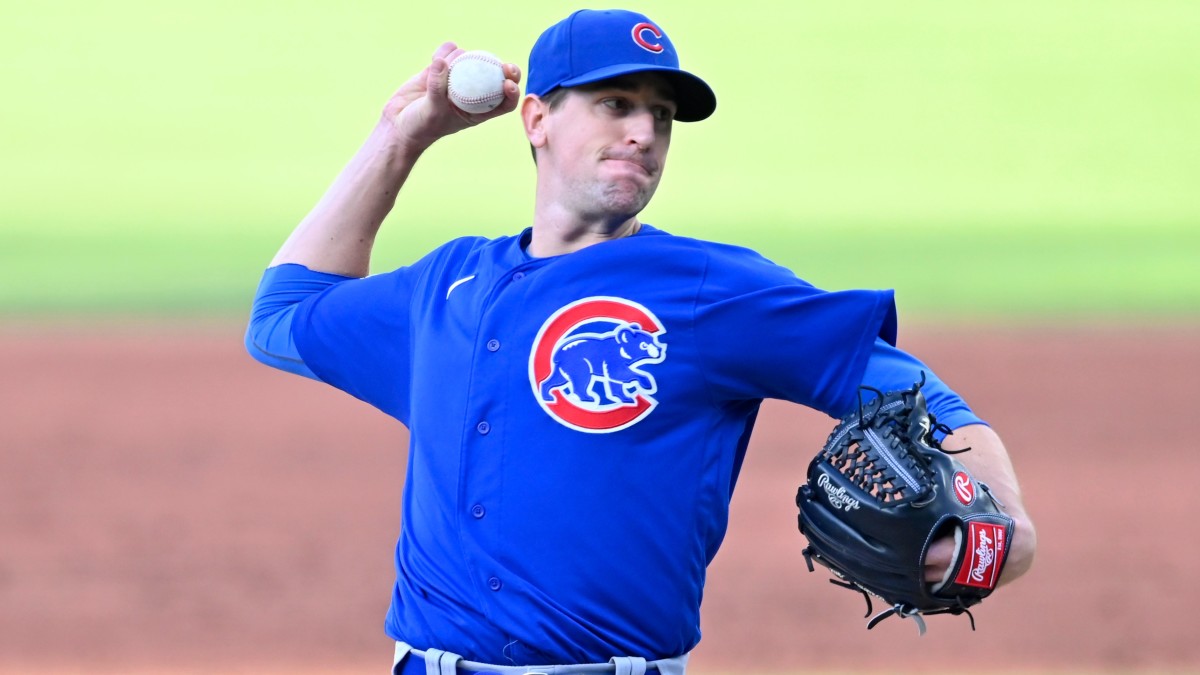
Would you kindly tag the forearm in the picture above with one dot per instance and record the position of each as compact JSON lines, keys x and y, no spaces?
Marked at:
{"x":338,"y":234}
{"x":891,"y":368}
{"x":989,"y":463}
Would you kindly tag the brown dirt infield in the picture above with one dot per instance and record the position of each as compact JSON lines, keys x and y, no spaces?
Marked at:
{"x":167,"y":505}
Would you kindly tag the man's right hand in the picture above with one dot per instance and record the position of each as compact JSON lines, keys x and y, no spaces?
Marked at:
{"x":421,"y":112}
{"x":339,"y":232}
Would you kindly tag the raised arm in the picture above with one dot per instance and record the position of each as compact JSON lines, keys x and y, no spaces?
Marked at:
{"x":338,"y":234}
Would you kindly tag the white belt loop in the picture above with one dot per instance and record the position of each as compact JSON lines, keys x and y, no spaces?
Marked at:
{"x":402,"y":651}
{"x":629,"y":665}
{"x":439,"y":662}
{"x":673,"y":666}
{"x":448,"y":663}
{"x":432,"y":659}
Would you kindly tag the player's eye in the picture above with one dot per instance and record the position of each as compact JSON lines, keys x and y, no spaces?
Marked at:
{"x":663,"y":114}
{"x":616,"y":103}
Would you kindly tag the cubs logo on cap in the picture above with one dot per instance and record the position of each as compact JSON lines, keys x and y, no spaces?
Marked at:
{"x":587,"y":367}
{"x":593,"y":45}
{"x":648,"y":37}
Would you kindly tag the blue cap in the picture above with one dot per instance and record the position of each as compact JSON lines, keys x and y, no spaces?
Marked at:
{"x":593,"y":45}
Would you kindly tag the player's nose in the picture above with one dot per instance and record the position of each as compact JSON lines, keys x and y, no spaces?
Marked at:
{"x":640,"y":128}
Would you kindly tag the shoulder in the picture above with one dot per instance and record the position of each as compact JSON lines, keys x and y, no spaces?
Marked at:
{"x":454,"y":255}
{"x":738,"y":269}
{"x":730,"y":257}
{"x":457,"y":250}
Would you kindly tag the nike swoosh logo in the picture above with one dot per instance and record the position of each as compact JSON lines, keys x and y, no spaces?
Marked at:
{"x":456,"y":284}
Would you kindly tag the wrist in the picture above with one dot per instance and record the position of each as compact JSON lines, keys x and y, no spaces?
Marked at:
{"x":1022,"y":549}
{"x":397,"y":149}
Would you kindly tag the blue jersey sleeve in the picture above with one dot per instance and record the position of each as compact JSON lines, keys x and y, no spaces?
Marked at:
{"x":353,"y":334}
{"x":269,"y":335}
{"x":890,"y":368}
{"x":765,"y":333}
{"x":356,"y":335}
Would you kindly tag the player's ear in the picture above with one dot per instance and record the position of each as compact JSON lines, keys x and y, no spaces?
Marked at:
{"x":533,"y":115}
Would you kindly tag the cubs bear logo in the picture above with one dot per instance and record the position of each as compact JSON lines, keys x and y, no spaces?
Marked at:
{"x":587,"y":364}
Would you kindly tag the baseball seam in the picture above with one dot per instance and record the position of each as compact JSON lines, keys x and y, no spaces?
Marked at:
{"x":476,"y":99}
{"x":472,"y":100}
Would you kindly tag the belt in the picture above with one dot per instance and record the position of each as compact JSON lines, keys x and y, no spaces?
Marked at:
{"x":411,"y":661}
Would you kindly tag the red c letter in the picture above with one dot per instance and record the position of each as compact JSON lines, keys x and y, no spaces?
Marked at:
{"x":642,"y":42}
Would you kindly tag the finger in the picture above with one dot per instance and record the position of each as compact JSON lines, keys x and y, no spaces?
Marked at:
{"x":512,"y":95}
{"x":454,"y":54}
{"x":511,"y":90}
{"x":512,"y":72}
{"x":938,"y":560}
{"x":436,"y":82}
{"x":444,"y":50}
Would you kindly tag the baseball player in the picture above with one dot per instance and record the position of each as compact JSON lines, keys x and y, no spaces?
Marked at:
{"x":579,"y":395}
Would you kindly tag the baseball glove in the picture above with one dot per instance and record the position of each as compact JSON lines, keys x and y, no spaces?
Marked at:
{"x":880,"y":492}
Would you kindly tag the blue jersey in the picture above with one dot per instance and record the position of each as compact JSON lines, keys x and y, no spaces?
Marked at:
{"x":577,"y":424}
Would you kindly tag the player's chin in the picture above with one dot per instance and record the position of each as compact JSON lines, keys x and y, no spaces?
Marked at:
{"x":628,"y":196}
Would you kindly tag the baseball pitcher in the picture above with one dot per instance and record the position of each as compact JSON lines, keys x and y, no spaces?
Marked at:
{"x":580,"y":395}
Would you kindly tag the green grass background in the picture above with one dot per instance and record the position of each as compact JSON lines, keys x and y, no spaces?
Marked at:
{"x":1027,"y":159}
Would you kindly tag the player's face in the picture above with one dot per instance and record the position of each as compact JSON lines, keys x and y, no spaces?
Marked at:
{"x":606,"y":144}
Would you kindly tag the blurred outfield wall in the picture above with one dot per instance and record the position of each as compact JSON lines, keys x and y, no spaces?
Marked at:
{"x":1040,"y":158}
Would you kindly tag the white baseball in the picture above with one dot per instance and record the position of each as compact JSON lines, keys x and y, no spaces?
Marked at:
{"x":476,"y":81}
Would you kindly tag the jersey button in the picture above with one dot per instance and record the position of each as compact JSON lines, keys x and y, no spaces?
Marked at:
{"x":518,"y":276}
{"x":483,"y":427}
{"x":478,"y":510}
{"x":493,"y":345}
{"x":494,"y":583}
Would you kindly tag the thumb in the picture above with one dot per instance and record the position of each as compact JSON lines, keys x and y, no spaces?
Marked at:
{"x":437,"y":82}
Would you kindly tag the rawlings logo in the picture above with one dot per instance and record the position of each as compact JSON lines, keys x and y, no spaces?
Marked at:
{"x":985,"y":555}
{"x":986,"y":545}
{"x":587,"y":364}
{"x":640,"y":39}
{"x":964,"y":489}
{"x":837,"y":496}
